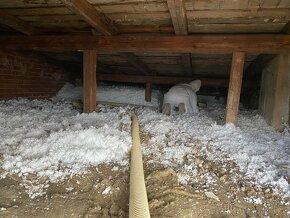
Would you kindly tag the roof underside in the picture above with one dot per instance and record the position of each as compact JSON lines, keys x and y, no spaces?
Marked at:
{"x":153,"y":17}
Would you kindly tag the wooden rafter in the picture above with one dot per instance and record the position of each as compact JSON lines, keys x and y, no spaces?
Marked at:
{"x":263,"y":43}
{"x":91,"y":16}
{"x":104,"y":25}
{"x":136,"y":62}
{"x":17,"y":24}
{"x":179,"y":21}
{"x":178,"y":16}
{"x":286,"y":28}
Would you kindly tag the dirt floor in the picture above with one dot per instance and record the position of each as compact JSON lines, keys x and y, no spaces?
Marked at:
{"x":104,"y":192}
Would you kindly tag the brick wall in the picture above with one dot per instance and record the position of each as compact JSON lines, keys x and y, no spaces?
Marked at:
{"x":22,"y":76}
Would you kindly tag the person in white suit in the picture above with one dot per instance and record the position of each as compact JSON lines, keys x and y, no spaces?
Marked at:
{"x":182,"y":96}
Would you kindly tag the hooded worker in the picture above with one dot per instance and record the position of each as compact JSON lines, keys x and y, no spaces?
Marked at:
{"x":182,"y":96}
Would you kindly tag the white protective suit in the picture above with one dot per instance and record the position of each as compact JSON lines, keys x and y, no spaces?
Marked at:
{"x":183,"y":93}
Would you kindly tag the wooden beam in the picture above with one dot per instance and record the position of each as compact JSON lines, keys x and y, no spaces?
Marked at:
{"x":179,"y":21}
{"x":90,"y":82}
{"x":178,"y":16}
{"x":91,"y":16}
{"x":286,"y":28}
{"x":235,"y":85}
{"x":206,"y":82}
{"x":148,"y":92}
{"x":136,"y":62}
{"x":262,"y":43}
{"x":17,"y":24}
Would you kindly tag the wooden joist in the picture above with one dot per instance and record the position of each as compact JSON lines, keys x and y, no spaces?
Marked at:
{"x":235,"y":85}
{"x":206,"y":82}
{"x":91,"y":16}
{"x":136,"y":62}
{"x":263,"y":43}
{"x":178,"y":16}
{"x":179,"y":21}
{"x":286,"y":28}
{"x":17,"y":24}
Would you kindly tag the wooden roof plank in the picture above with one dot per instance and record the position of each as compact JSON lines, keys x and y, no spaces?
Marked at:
{"x":17,"y":24}
{"x":249,"y":13}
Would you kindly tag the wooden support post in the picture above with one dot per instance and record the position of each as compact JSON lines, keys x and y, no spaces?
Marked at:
{"x":90,"y":82}
{"x":148,"y":92}
{"x":235,"y":84}
{"x":274,"y":94}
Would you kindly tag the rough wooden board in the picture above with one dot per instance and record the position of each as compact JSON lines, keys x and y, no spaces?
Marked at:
{"x":217,"y":4}
{"x":229,"y":4}
{"x":266,"y":43}
{"x":240,"y":20}
{"x":17,"y":24}
{"x":144,"y":29}
{"x":215,"y":82}
{"x":284,"y":4}
{"x":267,"y":13}
{"x":52,"y":18}
{"x":26,"y":4}
{"x":235,"y":28}
{"x":270,"y":3}
{"x":78,"y":25}
{"x":133,"y":7}
{"x":178,"y":16}
{"x":179,"y":21}
{"x":91,"y":16}
{"x":119,"y":1}
{"x":40,"y":11}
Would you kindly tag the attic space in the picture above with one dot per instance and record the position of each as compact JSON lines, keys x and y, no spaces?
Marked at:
{"x":178,"y":107}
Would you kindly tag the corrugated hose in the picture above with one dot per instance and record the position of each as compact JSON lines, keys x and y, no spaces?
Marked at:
{"x":138,"y":202}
